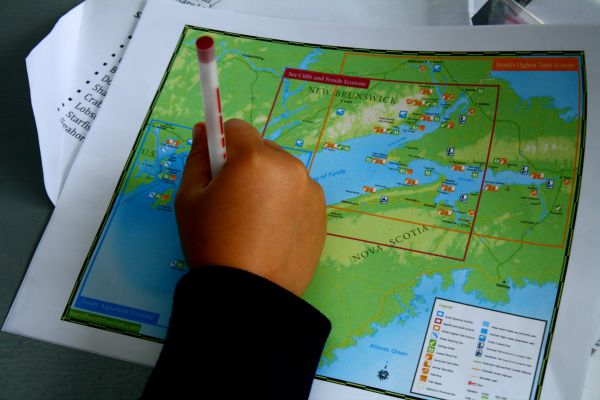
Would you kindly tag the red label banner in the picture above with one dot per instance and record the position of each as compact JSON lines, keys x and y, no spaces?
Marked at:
{"x":330,"y":79}
{"x":535,"y":64}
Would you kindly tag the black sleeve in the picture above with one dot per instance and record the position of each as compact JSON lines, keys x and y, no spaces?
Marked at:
{"x":234,"y":334}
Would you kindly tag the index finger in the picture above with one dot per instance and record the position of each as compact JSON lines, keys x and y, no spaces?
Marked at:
{"x":240,"y":136}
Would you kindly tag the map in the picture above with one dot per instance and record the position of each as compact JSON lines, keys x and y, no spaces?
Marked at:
{"x":451,"y":182}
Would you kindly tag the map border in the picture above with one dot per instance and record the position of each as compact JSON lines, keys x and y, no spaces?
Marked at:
{"x":567,"y":238}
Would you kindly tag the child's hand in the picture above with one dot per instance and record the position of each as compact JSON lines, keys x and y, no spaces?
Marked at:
{"x":262,"y":213}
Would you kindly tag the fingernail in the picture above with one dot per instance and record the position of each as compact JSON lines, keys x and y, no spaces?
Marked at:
{"x":198,"y":131}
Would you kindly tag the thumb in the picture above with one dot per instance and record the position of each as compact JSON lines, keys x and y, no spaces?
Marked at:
{"x":196,"y":173}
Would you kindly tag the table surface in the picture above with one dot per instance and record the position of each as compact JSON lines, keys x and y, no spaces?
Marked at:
{"x":32,"y":369}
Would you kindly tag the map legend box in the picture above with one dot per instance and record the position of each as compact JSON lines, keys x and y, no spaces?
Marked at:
{"x":472,"y":352}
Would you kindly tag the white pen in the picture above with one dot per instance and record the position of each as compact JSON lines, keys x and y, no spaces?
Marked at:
{"x":213,"y":117}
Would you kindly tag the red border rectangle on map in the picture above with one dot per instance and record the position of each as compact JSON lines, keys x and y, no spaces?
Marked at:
{"x":329,"y":79}
{"x":321,"y":77}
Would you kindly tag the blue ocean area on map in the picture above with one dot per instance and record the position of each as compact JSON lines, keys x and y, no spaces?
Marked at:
{"x":341,"y":173}
{"x":562,"y":86}
{"x":139,"y":278}
{"x":398,"y":344}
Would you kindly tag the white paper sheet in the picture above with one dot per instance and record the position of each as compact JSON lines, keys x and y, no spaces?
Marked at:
{"x":591,"y":389}
{"x":47,"y":68}
{"x":566,"y":12}
{"x":379,"y":13}
{"x":70,"y":73}
{"x":41,"y":301}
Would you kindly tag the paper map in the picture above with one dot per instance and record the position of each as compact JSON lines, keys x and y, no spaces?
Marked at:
{"x":451,"y":181}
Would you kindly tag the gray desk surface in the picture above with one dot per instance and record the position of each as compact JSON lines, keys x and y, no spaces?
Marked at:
{"x":31,"y":369}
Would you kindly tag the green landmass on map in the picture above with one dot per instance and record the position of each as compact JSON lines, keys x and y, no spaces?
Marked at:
{"x":376,"y":288}
{"x":249,"y":76}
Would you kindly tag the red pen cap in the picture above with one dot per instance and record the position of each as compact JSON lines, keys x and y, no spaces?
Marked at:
{"x":205,"y":47}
